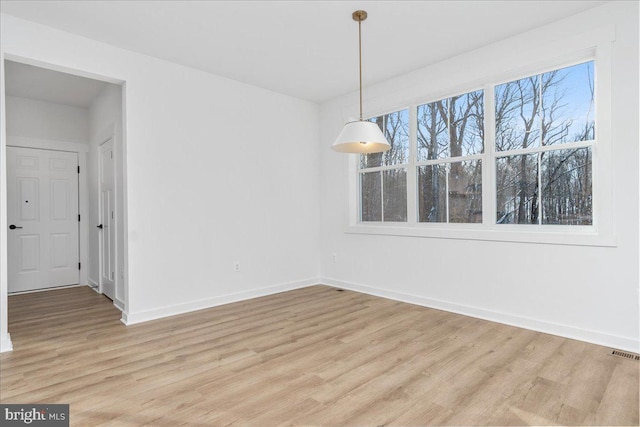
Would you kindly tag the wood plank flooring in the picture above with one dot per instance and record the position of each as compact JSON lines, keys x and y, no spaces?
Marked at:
{"x":314,"y":356}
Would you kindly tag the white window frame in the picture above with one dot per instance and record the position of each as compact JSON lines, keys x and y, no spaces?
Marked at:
{"x":440,"y":161}
{"x":593,"y":46}
{"x":381,"y":169}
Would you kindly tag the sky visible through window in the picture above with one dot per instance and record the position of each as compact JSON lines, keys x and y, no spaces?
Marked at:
{"x":577,"y":82}
{"x":546,"y":109}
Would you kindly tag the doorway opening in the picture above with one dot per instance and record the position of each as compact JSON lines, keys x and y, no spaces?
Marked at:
{"x":66,"y":184}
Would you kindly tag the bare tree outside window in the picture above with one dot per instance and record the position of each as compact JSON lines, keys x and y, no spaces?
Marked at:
{"x":566,"y":187}
{"x":371,"y":189}
{"x":545,"y":186}
{"x":383,"y":192}
{"x":540,"y":160}
{"x":450,"y":191}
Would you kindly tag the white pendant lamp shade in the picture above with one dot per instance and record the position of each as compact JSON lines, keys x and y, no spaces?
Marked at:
{"x":361,"y":137}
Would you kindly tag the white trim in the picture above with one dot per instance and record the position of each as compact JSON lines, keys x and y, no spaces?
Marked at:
{"x":93,"y":285}
{"x":545,"y":148}
{"x":115,"y":133}
{"x":5,"y":340}
{"x":544,"y":234}
{"x":5,"y":343}
{"x":383,"y":168}
{"x":566,"y":331}
{"x":446,"y":160}
{"x":53,"y":288}
{"x":83,"y":210}
{"x":488,"y":172}
{"x":60,"y":68}
{"x":106,"y":138}
{"x":172,"y":310}
{"x":118,"y":304}
{"x":46,"y":144}
{"x":122,"y":133}
{"x":412,"y":179}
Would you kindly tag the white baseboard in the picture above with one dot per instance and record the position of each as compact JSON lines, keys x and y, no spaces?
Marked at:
{"x":608,"y":340}
{"x":614,"y":341}
{"x":145,"y":316}
{"x":116,"y":302}
{"x":54,"y":288}
{"x":119,"y":304}
{"x":93,"y":285}
{"x":5,"y":343}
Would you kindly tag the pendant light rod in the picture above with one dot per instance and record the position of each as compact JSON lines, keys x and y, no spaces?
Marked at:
{"x":360,"y":136}
{"x":359,"y":16}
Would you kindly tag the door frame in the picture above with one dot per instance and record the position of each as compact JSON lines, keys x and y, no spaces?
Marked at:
{"x":108,"y":140}
{"x":66,"y":67}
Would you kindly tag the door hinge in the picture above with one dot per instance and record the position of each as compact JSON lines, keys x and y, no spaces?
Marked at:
{"x":79,"y":266}
{"x":78,"y":217}
{"x":78,"y":169}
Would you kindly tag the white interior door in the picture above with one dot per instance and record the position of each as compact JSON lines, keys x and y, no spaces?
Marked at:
{"x":107,"y":221}
{"x":42,"y":211}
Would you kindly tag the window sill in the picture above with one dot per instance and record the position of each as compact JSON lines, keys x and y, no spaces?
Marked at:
{"x":553,"y":235}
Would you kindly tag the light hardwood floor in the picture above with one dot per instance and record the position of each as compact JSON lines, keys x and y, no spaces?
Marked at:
{"x":314,"y":356}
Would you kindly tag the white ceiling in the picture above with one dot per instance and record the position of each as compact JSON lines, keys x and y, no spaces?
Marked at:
{"x":27,"y":81}
{"x":307,"y":49}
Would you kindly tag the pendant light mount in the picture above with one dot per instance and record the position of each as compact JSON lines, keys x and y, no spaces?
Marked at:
{"x":359,"y":16}
{"x":360,"y":136}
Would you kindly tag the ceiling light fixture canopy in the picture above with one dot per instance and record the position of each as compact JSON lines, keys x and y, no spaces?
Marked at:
{"x":361,"y":136}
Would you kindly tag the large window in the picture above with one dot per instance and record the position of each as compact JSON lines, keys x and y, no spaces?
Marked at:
{"x":528,"y":162}
{"x":545,"y":128}
{"x":450,"y":140}
{"x":383,"y":176}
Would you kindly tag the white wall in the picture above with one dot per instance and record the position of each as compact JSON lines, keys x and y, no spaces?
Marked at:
{"x":586,"y":292}
{"x":32,"y":118}
{"x":105,"y":118}
{"x":217,"y":171}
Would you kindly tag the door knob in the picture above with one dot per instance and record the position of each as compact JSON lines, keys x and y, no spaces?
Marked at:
{"x":99,"y":226}
{"x":13,"y":227}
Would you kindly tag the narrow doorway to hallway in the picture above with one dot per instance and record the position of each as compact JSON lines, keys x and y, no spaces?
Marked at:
{"x":65,"y":200}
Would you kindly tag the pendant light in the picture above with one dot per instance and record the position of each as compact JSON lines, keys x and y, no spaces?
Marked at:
{"x":361,"y":136}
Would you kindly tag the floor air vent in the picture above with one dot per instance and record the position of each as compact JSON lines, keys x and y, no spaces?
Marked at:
{"x":625,"y":355}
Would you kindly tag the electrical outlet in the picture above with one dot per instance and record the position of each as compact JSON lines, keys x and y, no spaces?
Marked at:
{"x":334,"y":256}
{"x":236,"y":266}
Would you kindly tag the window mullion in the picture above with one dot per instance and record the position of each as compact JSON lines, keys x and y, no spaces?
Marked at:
{"x":412,"y":182}
{"x":382,"y":196}
{"x":542,"y":144}
{"x":359,"y":205}
{"x":447,"y":169}
{"x":535,"y":150}
{"x":450,"y":160}
{"x":489,"y":162}
{"x":448,"y":165}
{"x":540,"y":204}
